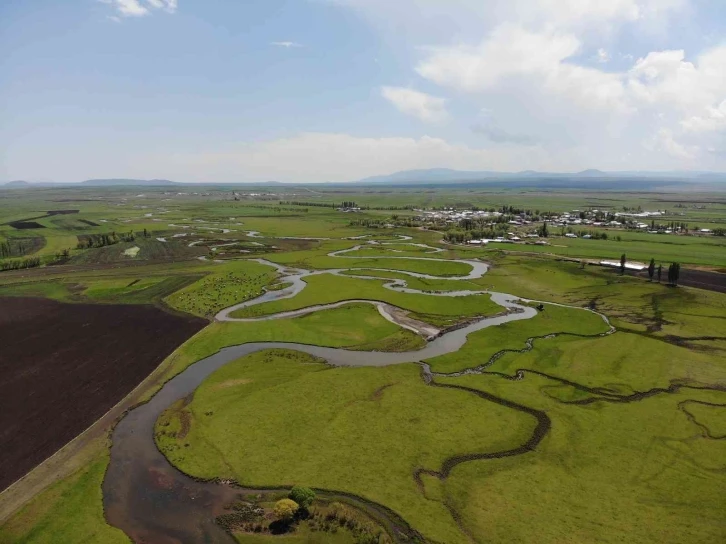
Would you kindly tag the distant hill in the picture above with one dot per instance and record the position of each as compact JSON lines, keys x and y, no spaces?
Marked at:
{"x":17,"y":184}
{"x":128,"y":182}
{"x":433,"y":174}
{"x":586,"y":178}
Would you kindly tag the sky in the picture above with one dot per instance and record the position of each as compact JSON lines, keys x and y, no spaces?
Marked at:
{"x":339,"y":90}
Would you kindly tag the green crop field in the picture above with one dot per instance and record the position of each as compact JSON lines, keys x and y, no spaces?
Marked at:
{"x":551,"y":429}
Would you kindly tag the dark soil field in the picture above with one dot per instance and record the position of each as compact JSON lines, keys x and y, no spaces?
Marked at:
{"x":690,"y":277}
{"x":713,"y":281}
{"x":62,"y":366}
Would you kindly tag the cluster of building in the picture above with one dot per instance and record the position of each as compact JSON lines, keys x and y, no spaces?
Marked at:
{"x":511,"y":238}
{"x":451,"y":215}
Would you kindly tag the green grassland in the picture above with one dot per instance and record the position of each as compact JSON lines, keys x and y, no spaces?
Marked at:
{"x":326,"y":289}
{"x":607,"y":472}
{"x":353,"y":326}
{"x":649,"y":471}
{"x":631,"y":303}
{"x":236,"y":282}
{"x":700,"y":250}
{"x":366,"y":432}
{"x":420,"y":284}
{"x":482,"y":345}
{"x":318,"y":259}
{"x":68,"y":511}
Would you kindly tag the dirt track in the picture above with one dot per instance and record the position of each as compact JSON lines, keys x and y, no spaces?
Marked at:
{"x":62,"y":366}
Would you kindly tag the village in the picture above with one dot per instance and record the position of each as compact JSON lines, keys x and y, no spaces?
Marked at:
{"x":535,"y":227}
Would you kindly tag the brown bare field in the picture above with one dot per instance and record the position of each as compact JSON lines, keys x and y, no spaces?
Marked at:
{"x":62,"y":366}
{"x":693,"y":277}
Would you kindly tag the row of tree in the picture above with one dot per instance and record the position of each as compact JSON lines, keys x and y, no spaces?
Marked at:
{"x":19,"y":264}
{"x":674,"y":272}
{"x":11,"y":248}
{"x":88,"y":241}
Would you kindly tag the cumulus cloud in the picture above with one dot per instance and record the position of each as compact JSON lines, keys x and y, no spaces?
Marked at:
{"x":139,"y":8}
{"x":666,"y":142}
{"x":714,"y":119}
{"x":513,"y":54}
{"x":549,"y":67}
{"x":421,"y":105}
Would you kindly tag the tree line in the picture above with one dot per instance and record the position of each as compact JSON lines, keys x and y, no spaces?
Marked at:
{"x":10,"y":249}
{"x":18,"y":264}
{"x":674,"y":272}
{"x":88,"y":241}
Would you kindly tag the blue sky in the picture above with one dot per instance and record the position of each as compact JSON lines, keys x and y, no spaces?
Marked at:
{"x":337,"y":90}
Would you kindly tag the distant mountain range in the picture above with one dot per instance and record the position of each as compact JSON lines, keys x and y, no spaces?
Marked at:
{"x":587,"y":179}
{"x":445,"y":175}
{"x":113,"y":182}
{"x":128,"y":182}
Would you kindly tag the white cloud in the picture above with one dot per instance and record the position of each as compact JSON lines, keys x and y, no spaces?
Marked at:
{"x":137,"y":8}
{"x":286,"y":45}
{"x":713,"y":120}
{"x":166,"y":5}
{"x":424,"y":106}
{"x":130,"y":8}
{"x":665,"y":141}
{"x":512,"y":54}
{"x":541,"y":64}
{"x":666,"y":78}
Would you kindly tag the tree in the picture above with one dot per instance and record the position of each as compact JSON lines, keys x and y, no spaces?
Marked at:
{"x":674,"y":272}
{"x":285,"y":509}
{"x":623,"y":260}
{"x":651,"y":269}
{"x":660,"y":272}
{"x":543,"y":232}
{"x":304,"y":496}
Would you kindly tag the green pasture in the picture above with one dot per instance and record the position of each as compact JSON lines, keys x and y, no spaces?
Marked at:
{"x":632,"y":303}
{"x":366,"y":432}
{"x":482,"y":345}
{"x":607,"y":472}
{"x":70,"y":510}
{"x":327,"y":288}
{"x":665,"y":249}
{"x":421,"y":284}
{"x":651,"y":471}
{"x":234,"y":283}
{"x":353,"y":326}
{"x":319,"y":260}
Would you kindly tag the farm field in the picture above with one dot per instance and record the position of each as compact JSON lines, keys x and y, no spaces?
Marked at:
{"x":278,"y":344}
{"x":64,"y":366}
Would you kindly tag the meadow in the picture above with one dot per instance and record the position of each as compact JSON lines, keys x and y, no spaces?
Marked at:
{"x":326,"y":289}
{"x":366,"y":432}
{"x":575,"y":436}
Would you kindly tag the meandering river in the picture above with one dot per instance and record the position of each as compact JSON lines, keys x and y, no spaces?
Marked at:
{"x":151,"y":501}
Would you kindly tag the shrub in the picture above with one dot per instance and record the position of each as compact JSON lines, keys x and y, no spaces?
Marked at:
{"x":304,"y":496}
{"x":285,"y":509}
